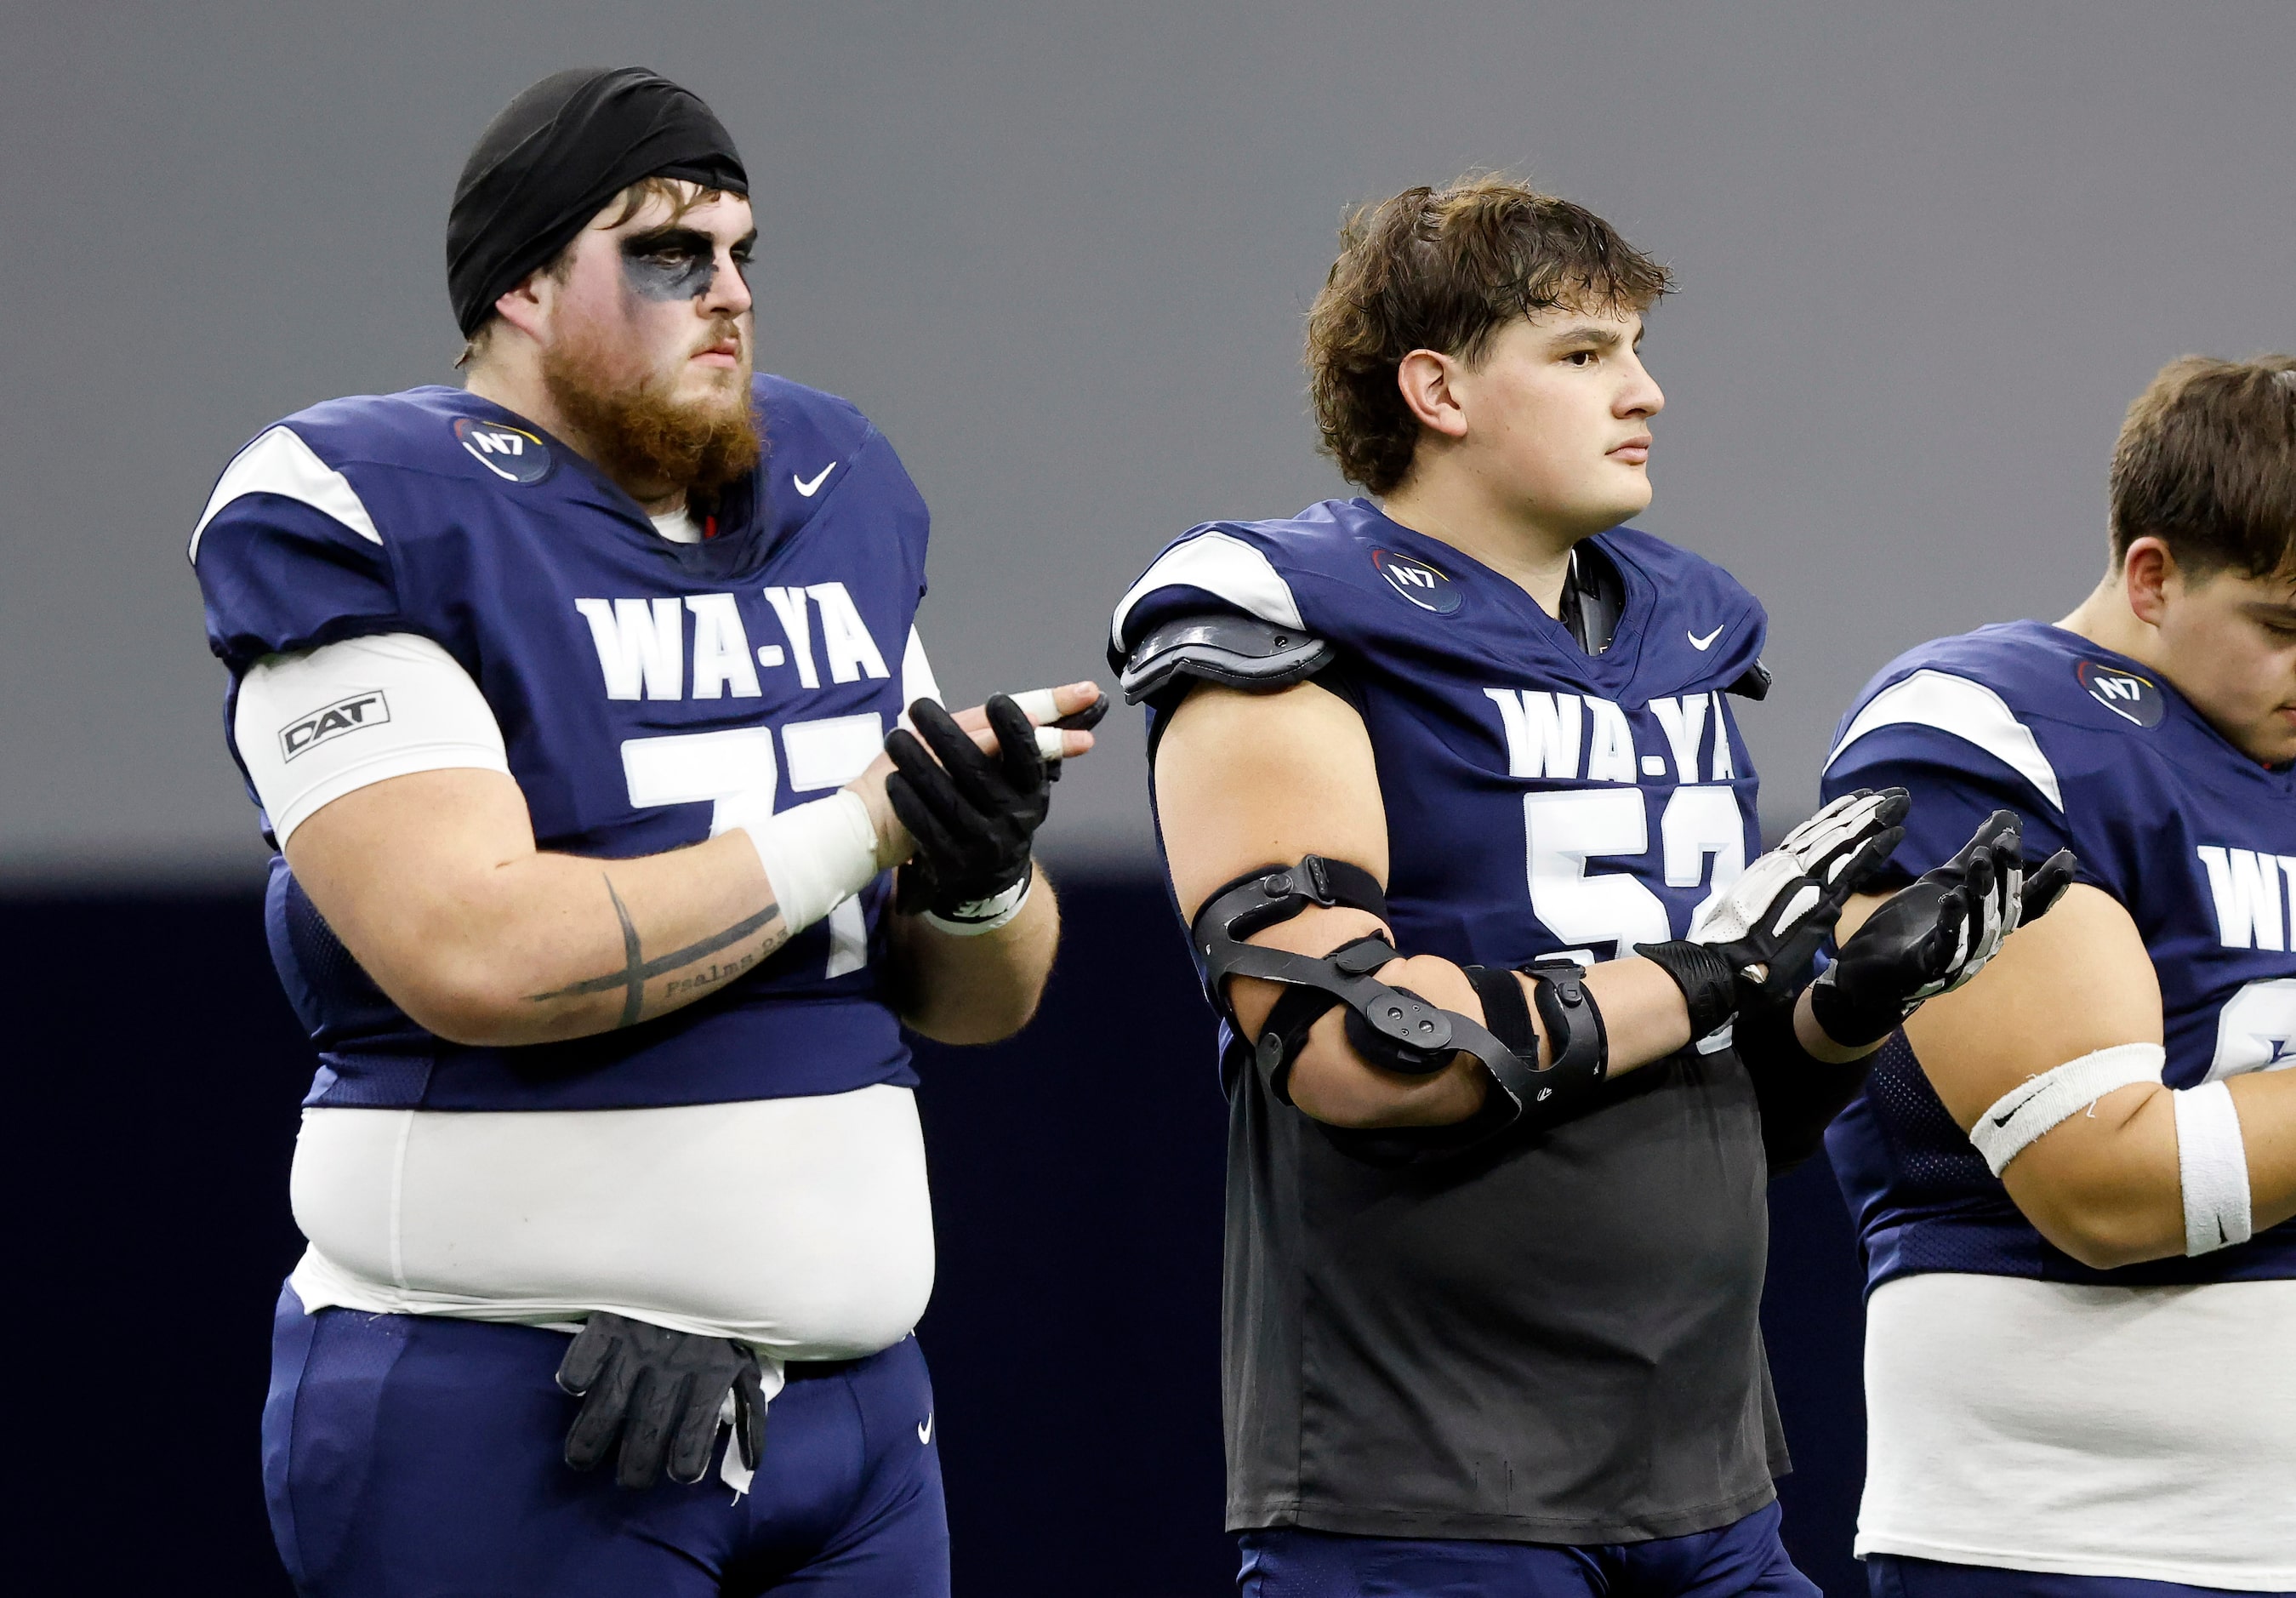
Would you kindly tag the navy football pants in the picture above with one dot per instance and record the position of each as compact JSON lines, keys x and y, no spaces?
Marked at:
{"x":1894,"y":1575}
{"x":409,"y":1456}
{"x":1743,"y":1557}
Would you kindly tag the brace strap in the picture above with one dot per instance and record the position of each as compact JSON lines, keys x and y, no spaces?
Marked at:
{"x":1573,"y":1024}
{"x":1392,"y":1026}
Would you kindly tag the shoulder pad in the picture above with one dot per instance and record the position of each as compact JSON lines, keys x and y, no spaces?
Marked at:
{"x":1755,"y":684}
{"x":1238,"y":651}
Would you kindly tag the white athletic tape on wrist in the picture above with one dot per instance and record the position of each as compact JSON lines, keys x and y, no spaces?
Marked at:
{"x":2039,"y":1103}
{"x":986,"y":915}
{"x":2212,"y":1168}
{"x":816,"y":856}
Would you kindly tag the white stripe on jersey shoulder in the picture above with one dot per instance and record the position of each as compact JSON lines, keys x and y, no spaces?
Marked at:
{"x":1217,"y":563}
{"x":279,"y":462}
{"x":917,"y":680}
{"x":1969,"y":710}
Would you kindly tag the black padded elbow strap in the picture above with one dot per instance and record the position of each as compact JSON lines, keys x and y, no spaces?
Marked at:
{"x":1390,"y":1027}
{"x":1505,"y":1011}
{"x":1578,"y":1043}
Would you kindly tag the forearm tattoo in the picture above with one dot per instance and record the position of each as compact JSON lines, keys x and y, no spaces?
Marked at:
{"x":637,"y":970}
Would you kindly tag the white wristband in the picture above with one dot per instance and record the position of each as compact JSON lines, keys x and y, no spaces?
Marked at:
{"x":986,"y":915}
{"x":2212,"y":1168}
{"x":2039,"y":1103}
{"x":816,"y":856}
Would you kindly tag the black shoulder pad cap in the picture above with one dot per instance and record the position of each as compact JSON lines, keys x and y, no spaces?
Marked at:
{"x":1240,"y":652}
{"x":1754,"y":684}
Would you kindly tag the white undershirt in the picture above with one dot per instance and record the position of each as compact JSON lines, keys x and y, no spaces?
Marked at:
{"x":801,"y":1226}
{"x":2136,"y":1433}
{"x":678,"y":526}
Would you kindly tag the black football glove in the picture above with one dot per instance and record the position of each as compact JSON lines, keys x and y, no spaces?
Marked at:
{"x":1935,"y":934}
{"x":663,"y":1393}
{"x":1753,"y":946}
{"x":973,"y":814}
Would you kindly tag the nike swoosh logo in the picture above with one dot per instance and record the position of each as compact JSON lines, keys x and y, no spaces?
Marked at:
{"x":924,"y":1427}
{"x":809,"y":489}
{"x":1707,"y":641}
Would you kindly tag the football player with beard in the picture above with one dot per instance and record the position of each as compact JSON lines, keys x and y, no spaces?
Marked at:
{"x":566,"y":703}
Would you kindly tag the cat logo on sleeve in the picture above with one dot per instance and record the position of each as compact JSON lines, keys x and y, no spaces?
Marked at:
{"x":368,"y":709}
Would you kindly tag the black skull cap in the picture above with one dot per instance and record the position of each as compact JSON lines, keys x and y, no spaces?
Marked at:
{"x":555,"y":156}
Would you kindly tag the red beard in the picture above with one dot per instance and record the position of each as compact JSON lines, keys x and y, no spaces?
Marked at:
{"x":638,"y":434}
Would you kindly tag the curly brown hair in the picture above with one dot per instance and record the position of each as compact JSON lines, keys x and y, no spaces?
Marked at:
{"x":2207,"y":464}
{"x":1445,"y":269}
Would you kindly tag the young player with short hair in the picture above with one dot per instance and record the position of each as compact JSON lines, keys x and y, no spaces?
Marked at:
{"x":1452,"y":798}
{"x":2074,"y":1179}
{"x":567,"y":706}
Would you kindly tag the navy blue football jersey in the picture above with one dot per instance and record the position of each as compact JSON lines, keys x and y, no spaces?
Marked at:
{"x":1539,"y":799}
{"x":650,"y":694}
{"x":2197,"y":842}
{"x":1557,"y":1339}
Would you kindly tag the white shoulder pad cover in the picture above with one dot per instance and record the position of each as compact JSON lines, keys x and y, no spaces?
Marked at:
{"x":314,"y":726}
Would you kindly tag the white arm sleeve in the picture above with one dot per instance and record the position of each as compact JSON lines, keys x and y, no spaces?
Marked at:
{"x":314,"y":726}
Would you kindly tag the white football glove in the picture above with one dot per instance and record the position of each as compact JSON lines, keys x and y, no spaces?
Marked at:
{"x":1769,"y":924}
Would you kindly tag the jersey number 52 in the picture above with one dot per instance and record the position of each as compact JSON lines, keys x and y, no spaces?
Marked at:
{"x":1563,"y":831}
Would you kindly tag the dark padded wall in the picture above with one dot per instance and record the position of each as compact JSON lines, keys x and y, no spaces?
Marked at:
{"x":1073,"y":1331}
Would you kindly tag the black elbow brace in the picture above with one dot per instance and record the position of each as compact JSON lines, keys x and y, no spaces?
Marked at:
{"x":1569,"y":1018}
{"x":1392,"y":1027}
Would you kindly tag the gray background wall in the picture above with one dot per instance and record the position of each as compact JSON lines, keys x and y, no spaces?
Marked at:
{"x":1928,"y":251}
